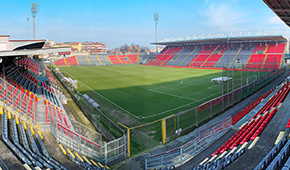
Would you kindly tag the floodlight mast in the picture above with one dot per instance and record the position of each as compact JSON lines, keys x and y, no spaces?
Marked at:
{"x":156,"y":19}
{"x":34,"y":10}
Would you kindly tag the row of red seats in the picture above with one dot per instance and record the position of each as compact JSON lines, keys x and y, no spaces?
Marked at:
{"x":221,"y":49}
{"x":30,"y":65}
{"x":256,"y":61}
{"x":273,"y":48}
{"x":272,"y":61}
{"x":114,"y":59}
{"x":254,"y":128}
{"x":56,"y":114}
{"x":124,"y":59}
{"x":259,"y":47}
{"x":20,"y":99}
{"x":288,"y":124}
{"x":208,"y":49}
{"x":60,"y":62}
{"x":133,"y":58}
{"x":47,"y":87}
{"x":50,"y":77}
{"x":250,"y":107}
{"x":198,"y":60}
{"x":211,"y":61}
{"x":172,"y":50}
{"x":273,"y":100}
{"x":71,"y":61}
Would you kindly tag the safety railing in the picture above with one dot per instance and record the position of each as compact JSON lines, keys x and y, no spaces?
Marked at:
{"x":180,"y":155}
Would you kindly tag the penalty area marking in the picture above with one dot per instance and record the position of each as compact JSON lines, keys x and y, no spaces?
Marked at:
{"x":137,"y":117}
{"x":144,"y":117}
{"x":173,"y":95}
{"x":188,"y":104}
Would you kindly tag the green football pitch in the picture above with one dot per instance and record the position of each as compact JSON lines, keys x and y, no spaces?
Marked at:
{"x":148,"y":92}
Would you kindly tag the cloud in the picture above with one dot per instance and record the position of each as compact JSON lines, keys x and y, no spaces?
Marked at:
{"x":224,"y":16}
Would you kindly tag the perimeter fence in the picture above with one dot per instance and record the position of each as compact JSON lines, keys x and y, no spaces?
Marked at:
{"x":115,"y":147}
{"x":243,"y":82}
{"x":201,"y":140}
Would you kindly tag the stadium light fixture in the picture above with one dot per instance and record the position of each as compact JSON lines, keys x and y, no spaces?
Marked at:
{"x":27,"y":28}
{"x":156,"y":19}
{"x":34,"y":10}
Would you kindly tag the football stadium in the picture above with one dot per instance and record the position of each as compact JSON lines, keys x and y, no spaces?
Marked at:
{"x":205,"y":102}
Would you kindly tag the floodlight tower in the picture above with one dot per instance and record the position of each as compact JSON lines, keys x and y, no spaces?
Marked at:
{"x":34,"y":10}
{"x":27,"y":27}
{"x":156,"y":19}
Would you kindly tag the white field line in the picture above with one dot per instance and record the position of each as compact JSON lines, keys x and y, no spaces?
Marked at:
{"x":137,"y":117}
{"x":145,"y":117}
{"x":157,"y":114}
{"x":184,"y":82}
{"x":173,"y":95}
{"x":212,"y":86}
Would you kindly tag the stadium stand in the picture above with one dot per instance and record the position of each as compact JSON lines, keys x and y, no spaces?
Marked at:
{"x":22,"y":92}
{"x":246,"y":55}
{"x":84,"y":60}
{"x":233,"y":148}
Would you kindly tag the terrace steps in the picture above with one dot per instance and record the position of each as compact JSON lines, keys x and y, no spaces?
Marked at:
{"x":187,"y":56}
{"x":99,"y":59}
{"x":209,"y":56}
{"x":219,"y":60}
{"x":119,"y":59}
{"x":109,"y":59}
{"x":88,"y":60}
{"x":235,"y":56}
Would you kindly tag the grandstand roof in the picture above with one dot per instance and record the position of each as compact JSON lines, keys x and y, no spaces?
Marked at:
{"x":34,"y":51}
{"x":221,"y":39}
{"x":281,"y":9}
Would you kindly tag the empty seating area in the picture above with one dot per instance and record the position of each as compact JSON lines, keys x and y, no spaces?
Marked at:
{"x":260,"y":47}
{"x":198,"y":60}
{"x":276,"y":48}
{"x":84,"y":60}
{"x":29,"y":64}
{"x":255,"y":61}
{"x":93,"y":60}
{"x":211,"y":61}
{"x":247,"y":55}
{"x":60,"y":62}
{"x":133,"y":58}
{"x":165,"y":56}
{"x":25,"y":148}
{"x":72,"y":61}
{"x":231,"y":149}
{"x":114,"y":59}
{"x":28,"y":99}
{"x":250,"y":107}
{"x":278,"y":157}
{"x":272,"y":61}
{"x":124,"y":59}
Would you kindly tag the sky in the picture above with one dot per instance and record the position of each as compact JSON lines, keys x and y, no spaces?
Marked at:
{"x":131,"y":21}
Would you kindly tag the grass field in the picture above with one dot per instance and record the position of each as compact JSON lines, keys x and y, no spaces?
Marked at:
{"x":138,"y":94}
{"x":147,"y":92}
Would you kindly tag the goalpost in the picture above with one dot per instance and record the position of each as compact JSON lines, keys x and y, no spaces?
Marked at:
{"x":251,"y":79}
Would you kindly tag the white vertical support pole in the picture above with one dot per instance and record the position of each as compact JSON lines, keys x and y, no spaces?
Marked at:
{"x":106,"y":152}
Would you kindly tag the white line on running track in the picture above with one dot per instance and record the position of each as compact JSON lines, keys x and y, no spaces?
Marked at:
{"x":169,"y":94}
{"x":137,"y":117}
